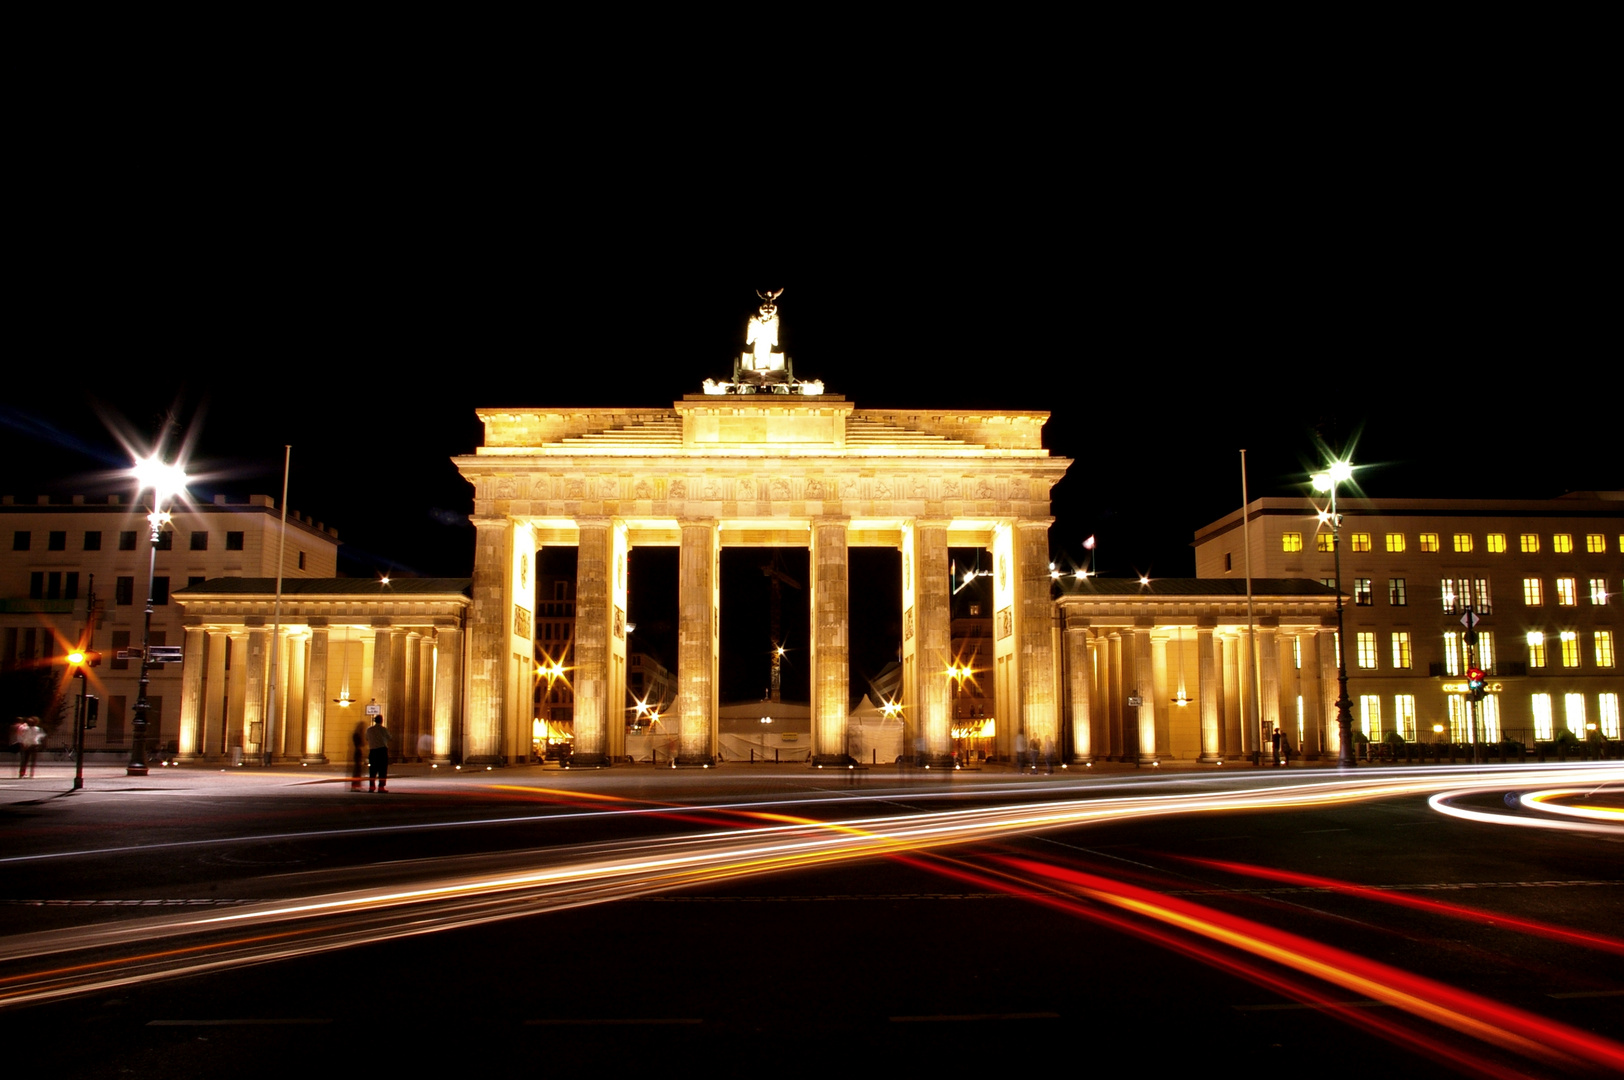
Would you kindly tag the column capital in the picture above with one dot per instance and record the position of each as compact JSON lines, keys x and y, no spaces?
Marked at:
{"x":1078,"y":622}
{"x":317,"y":622}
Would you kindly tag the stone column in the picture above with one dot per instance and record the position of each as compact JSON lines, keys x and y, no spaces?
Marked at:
{"x":1162,"y":691}
{"x":1145,"y":687}
{"x":1313,"y":701}
{"x":253,"y":705}
{"x":1209,"y":691}
{"x":933,"y":630}
{"x":447,"y":690}
{"x":1268,"y":649}
{"x":315,"y":719}
{"x":1119,"y":731}
{"x":215,"y":688}
{"x":1232,"y":742}
{"x":488,"y":643}
{"x":396,"y":710}
{"x":380,"y":675}
{"x":406,"y":711}
{"x":593,"y":710}
{"x":425,"y":690}
{"x":292,"y":742}
{"x":1034,"y":614}
{"x":831,"y":657}
{"x":191,"y":695}
{"x":1080,"y":683}
{"x":1329,"y":690}
{"x":696,"y":644}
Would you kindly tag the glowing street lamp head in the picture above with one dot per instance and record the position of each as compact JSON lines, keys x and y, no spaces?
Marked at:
{"x":1338,"y":472}
{"x":166,"y":480}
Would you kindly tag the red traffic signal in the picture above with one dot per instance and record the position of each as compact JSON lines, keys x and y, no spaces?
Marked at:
{"x":1474,"y":674}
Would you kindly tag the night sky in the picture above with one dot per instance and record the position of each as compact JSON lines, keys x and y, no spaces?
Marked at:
{"x":1438,"y":318}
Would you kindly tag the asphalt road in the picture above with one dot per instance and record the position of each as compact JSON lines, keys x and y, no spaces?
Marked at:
{"x":715,"y":918}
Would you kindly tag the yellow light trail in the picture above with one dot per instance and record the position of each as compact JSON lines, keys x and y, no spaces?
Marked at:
{"x":604,"y":873}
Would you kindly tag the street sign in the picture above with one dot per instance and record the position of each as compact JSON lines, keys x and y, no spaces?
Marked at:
{"x":374,"y":709}
{"x":1470,"y":619}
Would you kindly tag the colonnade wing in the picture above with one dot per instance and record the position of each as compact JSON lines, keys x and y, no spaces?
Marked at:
{"x":289,"y":679}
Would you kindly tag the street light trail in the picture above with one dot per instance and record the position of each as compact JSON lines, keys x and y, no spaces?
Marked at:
{"x":93,"y":957}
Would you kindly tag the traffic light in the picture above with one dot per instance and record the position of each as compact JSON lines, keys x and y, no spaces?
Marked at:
{"x":1474,"y":683}
{"x":85,"y":658}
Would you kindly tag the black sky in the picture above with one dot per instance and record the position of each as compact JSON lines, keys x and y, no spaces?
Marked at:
{"x":1426,"y":294}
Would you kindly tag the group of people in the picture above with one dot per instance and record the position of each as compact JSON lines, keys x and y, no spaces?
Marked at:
{"x":27,"y":737}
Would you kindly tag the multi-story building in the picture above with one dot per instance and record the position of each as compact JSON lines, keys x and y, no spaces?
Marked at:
{"x":53,"y":553}
{"x":1541,"y":579}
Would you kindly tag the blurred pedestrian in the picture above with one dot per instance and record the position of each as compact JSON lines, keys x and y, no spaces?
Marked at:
{"x":358,"y":742}
{"x":377,"y":755}
{"x":32,"y":737}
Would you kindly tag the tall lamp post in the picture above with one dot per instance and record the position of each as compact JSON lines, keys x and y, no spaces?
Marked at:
{"x":1337,"y":473}
{"x":166,"y":481}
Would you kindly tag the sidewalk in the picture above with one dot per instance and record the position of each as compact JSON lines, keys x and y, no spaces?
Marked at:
{"x":54,"y":778}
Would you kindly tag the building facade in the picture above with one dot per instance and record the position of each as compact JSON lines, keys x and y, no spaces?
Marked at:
{"x":1539,"y":578}
{"x":54,"y":553}
{"x":756,"y":470}
{"x":292,"y":679}
{"x":1189,"y":669}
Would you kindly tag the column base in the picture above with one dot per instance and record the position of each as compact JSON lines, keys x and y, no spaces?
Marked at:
{"x":1149,"y":759}
{"x":937,"y":761}
{"x":135,"y":770}
{"x":834,"y":761}
{"x":587,"y":761}
{"x":1211,"y":759}
{"x":694,"y":761}
{"x":487,"y":759}
{"x":1082,"y":759}
{"x":313,"y":759}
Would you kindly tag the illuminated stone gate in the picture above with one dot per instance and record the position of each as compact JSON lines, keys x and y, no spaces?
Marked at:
{"x":760,"y":461}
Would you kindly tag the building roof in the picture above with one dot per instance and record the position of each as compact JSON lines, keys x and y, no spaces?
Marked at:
{"x":1185,"y":587}
{"x":348,"y":587}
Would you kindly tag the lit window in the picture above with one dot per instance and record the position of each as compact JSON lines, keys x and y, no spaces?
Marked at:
{"x":1370,"y":716}
{"x":1463,"y":542}
{"x":1395,"y":592}
{"x":1480,"y":597}
{"x":1429,"y":541}
{"x":1562,"y":543}
{"x":1297,"y":652}
{"x":1451,"y":653}
{"x":1404,"y":715}
{"x":1299,"y":719}
{"x":1367,"y":649}
{"x":1598,"y":590}
{"x":1457,"y":718}
{"x":1530,"y":543}
{"x":1446,"y":591}
{"x":1607,"y":713}
{"x":1567,"y":592}
{"x":1542,"y":716}
{"x":1497,"y":543}
{"x":1595,"y":543}
{"x":1489,"y":711}
{"x":1604,"y":648}
{"x":1291,"y":541}
{"x":1328,"y":582}
{"x":1485,"y":649}
{"x":1401,"y":649}
{"x":1574,"y":706}
{"x":1570,"y":649}
{"x":1322,"y":542}
{"x":1395,"y":541}
{"x":1533,"y":595}
{"x":1536,"y":649}
{"x":1362,"y":595}
{"x":1360,"y":541}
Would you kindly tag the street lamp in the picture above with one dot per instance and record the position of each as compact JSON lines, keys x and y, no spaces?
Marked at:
{"x":1336,"y":474}
{"x":167,"y":481}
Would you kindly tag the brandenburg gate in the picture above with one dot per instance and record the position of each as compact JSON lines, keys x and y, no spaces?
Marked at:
{"x":760,"y":460}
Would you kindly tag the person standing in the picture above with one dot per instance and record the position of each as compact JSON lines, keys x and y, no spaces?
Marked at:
{"x":32,"y":736}
{"x":358,"y":756}
{"x":377,"y":755}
